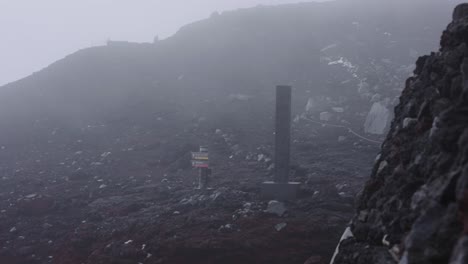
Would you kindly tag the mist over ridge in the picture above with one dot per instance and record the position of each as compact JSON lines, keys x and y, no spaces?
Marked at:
{"x":182,"y":148}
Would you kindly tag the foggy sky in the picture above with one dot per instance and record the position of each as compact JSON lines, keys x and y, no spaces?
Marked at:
{"x":35,"y":33}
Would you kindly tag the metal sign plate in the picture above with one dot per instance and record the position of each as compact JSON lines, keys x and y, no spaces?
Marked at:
{"x":200,"y":156}
{"x":200,"y":164}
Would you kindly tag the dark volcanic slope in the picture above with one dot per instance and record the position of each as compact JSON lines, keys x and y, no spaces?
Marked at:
{"x":414,"y":207}
{"x":320,"y":48}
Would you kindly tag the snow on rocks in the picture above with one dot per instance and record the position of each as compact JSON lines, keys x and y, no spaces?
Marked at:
{"x":377,"y":119}
{"x":338,"y":109}
{"x":347,"y":234}
{"x":326,"y":116}
{"x":239,"y":97}
{"x":310,"y":105}
{"x":105,"y":155}
{"x":31,"y":196}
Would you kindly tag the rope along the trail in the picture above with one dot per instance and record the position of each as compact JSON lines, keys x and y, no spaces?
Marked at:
{"x":345,"y":127}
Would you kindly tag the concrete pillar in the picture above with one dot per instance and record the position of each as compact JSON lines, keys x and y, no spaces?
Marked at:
{"x":281,"y":188}
{"x":282,"y":133}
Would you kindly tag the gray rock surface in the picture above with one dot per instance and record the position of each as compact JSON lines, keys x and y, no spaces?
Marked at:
{"x":414,"y":208}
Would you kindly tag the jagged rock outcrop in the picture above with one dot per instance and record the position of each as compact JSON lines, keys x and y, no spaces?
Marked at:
{"x":414,"y":209}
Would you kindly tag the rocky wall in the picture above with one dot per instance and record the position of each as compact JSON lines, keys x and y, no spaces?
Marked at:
{"x":414,"y":208}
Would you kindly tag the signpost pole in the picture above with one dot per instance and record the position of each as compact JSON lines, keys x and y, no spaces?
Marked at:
{"x":200,"y":160}
{"x":202,"y":178}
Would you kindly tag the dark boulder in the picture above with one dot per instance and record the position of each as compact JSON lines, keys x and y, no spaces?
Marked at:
{"x":460,"y":12}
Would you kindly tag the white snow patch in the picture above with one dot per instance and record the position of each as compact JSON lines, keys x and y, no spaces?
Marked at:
{"x":310,"y":104}
{"x":30,"y":196}
{"x":385,"y":242}
{"x":331,"y":46}
{"x":105,"y":154}
{"x":325,"y":116}
{"x":377,"y":119}
{"x":344,"y":62}
{"x":240,"y":97}
{"x":382,"y":166}
{"x":338,"y":109}
{"x":347,"y":234}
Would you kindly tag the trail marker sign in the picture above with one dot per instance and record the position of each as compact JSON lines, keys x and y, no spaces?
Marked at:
{"x":200,"y":164}
{"x":200,"y":160}
{"x":200,"y":156}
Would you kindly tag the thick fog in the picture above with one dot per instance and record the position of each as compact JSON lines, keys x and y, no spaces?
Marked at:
{"x":233,"y":131}
{"x":37,"y":33}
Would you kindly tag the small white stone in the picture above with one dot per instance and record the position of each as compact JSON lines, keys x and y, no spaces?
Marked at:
{"x":280,"y":226}
{"x":105,"y":154}
{"x":30,"y":196}
{"x":338,"y":109}
{"x":275,"y":207}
